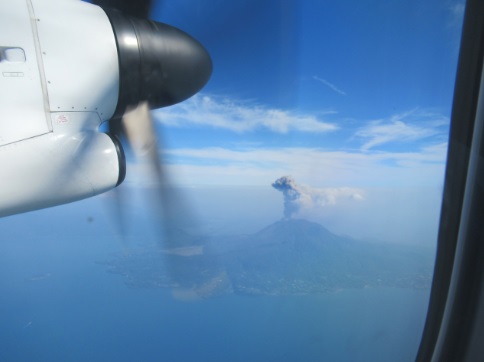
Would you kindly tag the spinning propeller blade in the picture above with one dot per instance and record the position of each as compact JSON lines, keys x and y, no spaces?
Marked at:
{"x":160,"y":65}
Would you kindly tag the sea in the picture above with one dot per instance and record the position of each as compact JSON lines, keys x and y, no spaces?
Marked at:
{"x":59,"y":303}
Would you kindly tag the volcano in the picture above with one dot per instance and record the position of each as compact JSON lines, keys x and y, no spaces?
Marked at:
{"x":291,"y":256}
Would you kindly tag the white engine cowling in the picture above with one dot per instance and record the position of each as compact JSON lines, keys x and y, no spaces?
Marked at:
{"x":59,"y":80}
{"x":65,"y":67}
{"x":55,"y":169}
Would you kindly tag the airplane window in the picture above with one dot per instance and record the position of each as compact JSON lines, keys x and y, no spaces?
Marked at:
{"x":297,"y":211}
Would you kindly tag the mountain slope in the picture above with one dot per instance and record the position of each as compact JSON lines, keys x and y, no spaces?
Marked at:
{"x":287,"y":257}
{"x":298,"y":256}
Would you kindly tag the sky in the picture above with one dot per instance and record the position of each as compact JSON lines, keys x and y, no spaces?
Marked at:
{"x":349,"y":99}
{"x":338,"y":95}
{"x":352,"y":89}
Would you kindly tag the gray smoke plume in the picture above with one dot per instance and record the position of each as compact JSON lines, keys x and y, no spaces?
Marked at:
{"x":297,"y":196}
{"x":289,"y":189}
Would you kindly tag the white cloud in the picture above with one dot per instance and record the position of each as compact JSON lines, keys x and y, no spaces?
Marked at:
{"x":406,"y":127}
{"x":328,"y":196}
{"x":318,"y":167}
{"x":329,"y":85}
{"x":422,"y":164}
{"x":238,"y":117}
{"x":457,"y":10}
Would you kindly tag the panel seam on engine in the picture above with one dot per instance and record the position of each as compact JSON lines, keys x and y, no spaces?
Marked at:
{"x":40,"y":64}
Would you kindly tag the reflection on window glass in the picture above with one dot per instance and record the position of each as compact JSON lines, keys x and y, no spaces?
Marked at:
{"x":305,"y":190}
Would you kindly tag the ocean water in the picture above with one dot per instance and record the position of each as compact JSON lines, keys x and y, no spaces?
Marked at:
{"x":57,"y":304}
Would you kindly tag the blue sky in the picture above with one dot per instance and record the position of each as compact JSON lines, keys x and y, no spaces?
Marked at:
{"x":350,"y":98}
{"x":347,"y":97}
{"x":335,"y":93}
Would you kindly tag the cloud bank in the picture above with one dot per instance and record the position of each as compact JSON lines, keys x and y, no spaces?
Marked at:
{"x":259,"y":166}
{"x":405,"y":149}
{"x":407,"y":127}
{"x":203,"y":110}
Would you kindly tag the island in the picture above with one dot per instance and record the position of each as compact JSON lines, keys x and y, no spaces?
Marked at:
{"x":289,"y":257}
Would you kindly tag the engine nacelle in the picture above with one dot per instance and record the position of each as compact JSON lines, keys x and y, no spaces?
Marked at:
{"x":59,"y":80}
{"x":55,"y":169}
{"x":66,"y":66}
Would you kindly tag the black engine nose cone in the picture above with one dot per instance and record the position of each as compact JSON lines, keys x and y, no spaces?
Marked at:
{"x":158,"y":63}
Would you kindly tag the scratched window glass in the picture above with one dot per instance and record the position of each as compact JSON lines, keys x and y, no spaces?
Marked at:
{"x":287,"y":210}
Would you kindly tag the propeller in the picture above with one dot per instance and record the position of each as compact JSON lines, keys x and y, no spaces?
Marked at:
{"x":159,"y":66}
{"x":158,"y":63}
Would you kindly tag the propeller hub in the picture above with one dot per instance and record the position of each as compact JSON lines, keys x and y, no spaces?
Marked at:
{"x":158,"y":63}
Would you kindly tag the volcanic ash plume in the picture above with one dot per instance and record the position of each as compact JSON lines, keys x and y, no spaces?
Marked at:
{"x":297,"y":197}
{"x":289,"y":189}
